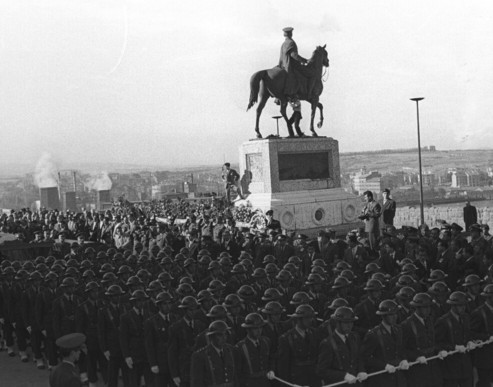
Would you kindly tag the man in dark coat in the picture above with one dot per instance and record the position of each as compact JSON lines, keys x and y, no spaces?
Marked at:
{"x":388,"y":209}
{"x":65,"y":374}
{"x":470,"y":215}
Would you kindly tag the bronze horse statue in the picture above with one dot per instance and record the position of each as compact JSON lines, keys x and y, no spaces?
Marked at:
{"x":270,"y":83}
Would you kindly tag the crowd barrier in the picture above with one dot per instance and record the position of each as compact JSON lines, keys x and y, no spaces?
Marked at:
{"x":404,"y":365}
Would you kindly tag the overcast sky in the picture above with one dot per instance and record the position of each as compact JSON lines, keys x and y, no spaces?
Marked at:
{"x":167,"y":82}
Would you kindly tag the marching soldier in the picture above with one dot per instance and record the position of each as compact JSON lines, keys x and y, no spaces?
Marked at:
{"x":482,"y":329}
{"x":418,"y":333}
{"x":339,"y":353}
{"x":367,"y":309}
{"x":132,"y":340}
{"x":453,"y":333}
{"x":298,"y":350}
{"x":29,"y":315}
{"x":64,"y":309}
{"x":215,"y":364}
{"x":382,"y":349}
{"x":156,"y":333}
{"x":87,"y":323}
{"x":182,"y":338}
{"x":44,"y":316}
{"x":254,"y":354}
{"x":108,"y":334}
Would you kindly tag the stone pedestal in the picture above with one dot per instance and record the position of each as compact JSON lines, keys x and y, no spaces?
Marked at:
{"x":299,"y":178}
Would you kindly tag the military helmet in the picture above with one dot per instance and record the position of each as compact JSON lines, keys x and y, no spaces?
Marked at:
{"x":408,"y":268}
{"x":51,"y":276}
{"x":238,"y":269}
{"x":300,"y":298}
{"x":373,"y":284}
{"x":340,"y":282}
{"x":259,"y":273}
{"x":217,"y":327}
{"x":165,"y":277}
{"x":387,"y":307}
{"x":380,"y":276}
{"x":421,"y":300}
{"x":163,"y":297}
{"x":437,"y":275}
{"x":189,"y":302}
{"x":217,"y":312}
{"x":283,"y":275}
{"x":106,"y":267}
{"x":35,"y":276}
{"x":186,"y":280}
{"x":124,"y":269}
{"x":88,"y":274}
{"x":295,"y":260}
{"x":71,"y":272}
{"x":344,"y":314}
{"x":114,"y":290}
{"x":342,"y":265}
{"x":139,"y":295}
{"x":232,"y":300}
{"x":405,"y":280}
{"x":154,"y":286}
{"x":90,"y":286}
{"x":438,"y":287}
{"x":134,"y":281}
{"x":314,"y":279}
{"x":185,"y":289}
{"x":269,"y":259}
{"x":68,"y":281}
{"x":271,"y":268}
{"x":109,"y":277}
{"x":471,"y":280}
{"x":216,"y":285}
{"x":319,"y":262}
{"x":303,"y":311}
{"x":204,"y":295}
{"x":253,"y":320}
{"x":336,"y":303}
{"x":271,"y":294}
{"x":214,"y":265}
{"x":405,"y":293}
{"x":487,"y":291}
{"x":457,"y":298}
{"x":272,"y":307}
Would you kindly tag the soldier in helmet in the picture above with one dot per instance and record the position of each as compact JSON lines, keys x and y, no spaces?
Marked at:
{"x":132,"y":340}
{"x":418,"y":333}
{"x":453,"y":333}
{"x":339,"y":352}
{"x":383,"y":348}
{"x":182,"y":338}
{"x":367,"y":309}
{"x":86,"y":317}
{"x":298,"y":349}
{"x":108,"y":333}
{"x":273,"y":327}
{"x":255,"y":358}
{"x":214,"y":365}
{"x":156,"y":332}
{"x":482,"y":329}
{"x":64,"y":308}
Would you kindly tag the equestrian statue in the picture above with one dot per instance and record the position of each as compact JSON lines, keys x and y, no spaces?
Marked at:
{"x":295,"y":78}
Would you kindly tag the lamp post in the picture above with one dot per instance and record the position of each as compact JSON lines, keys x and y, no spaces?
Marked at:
{"x":419,"y":157}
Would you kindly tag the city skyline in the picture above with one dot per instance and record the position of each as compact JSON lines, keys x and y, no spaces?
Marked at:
{"x":119,"y":82}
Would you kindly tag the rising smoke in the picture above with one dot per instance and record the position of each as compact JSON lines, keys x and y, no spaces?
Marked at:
{"x":45,"y":173}
{"x":99,"y":182}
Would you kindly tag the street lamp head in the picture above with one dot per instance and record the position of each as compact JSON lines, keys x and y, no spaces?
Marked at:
{"x":417,"y":99}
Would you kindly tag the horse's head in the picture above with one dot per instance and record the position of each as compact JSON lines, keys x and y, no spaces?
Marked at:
{"x":325,"y":56}
{"x":320,"y":57}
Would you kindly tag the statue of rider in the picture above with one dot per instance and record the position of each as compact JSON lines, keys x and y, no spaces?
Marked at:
{"x":291,"y":61}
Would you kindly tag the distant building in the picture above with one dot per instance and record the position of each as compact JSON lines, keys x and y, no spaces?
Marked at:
{"x":466,"y":178}
{"x":429,"y":179}
{"x":364,"y":181}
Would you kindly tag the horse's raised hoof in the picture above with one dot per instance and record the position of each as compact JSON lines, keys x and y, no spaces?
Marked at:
{"x":319,"y":125}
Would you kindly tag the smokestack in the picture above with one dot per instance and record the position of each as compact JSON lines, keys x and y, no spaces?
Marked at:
{"x":49,"y":198}
{"x":69,"y":202}
{"x":75,"y":182}
{"x":103,"y":197}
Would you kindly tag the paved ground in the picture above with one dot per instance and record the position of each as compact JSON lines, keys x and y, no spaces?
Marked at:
{"x":17,"y":374}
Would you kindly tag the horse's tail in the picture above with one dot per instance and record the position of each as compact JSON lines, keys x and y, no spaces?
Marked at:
{"x":255,"y":87}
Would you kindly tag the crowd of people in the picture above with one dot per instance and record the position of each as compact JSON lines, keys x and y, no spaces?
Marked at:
{"x":176,"y":294}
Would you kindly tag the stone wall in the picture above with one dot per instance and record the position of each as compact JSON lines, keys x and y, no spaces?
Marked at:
{"x":410,"y":216}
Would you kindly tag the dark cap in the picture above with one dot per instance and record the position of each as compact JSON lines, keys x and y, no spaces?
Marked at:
{"x":71,"y":341}
{"x":269,"y":212}
{"x":386,"y":190}
{"x":288,"y":29}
